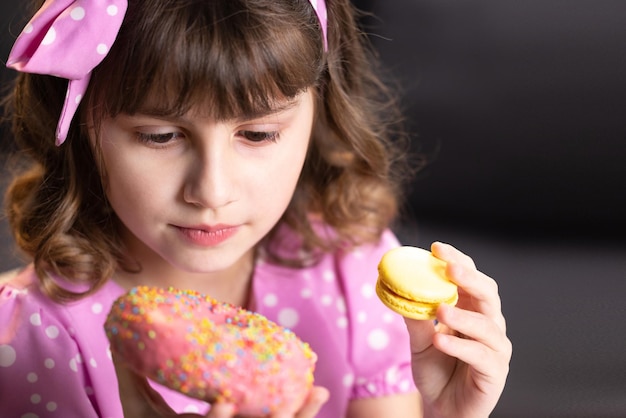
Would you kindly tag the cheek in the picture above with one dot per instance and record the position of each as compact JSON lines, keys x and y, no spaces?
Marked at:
{"x":127,"y":195}
{"x":131,"y":186}
{"x":271,"y":186}
{"x":286,"y":171}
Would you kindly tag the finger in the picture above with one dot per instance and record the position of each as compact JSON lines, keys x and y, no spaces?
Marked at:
{"x":312,"y":405}
{"x":481,"y":290}
{"x":317,"y":398}
{"x":463,"y":270}
{"x":482,"y":344}
{"x":221,"y":410}
{"x":432,"y":368}
{"x":137,"y":396}
{"x":420,"y":334}
{"x":489,"y":365}
{"x":473,"y":326}
{"x":449,"y":253}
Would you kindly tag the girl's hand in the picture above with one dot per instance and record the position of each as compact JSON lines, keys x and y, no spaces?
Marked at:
{"x":140,"y":400}
{"x":460,"y":365}
{"x":317,"y":398}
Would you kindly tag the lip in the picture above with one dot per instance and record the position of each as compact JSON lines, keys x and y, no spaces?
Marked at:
{"x":207,"y":236}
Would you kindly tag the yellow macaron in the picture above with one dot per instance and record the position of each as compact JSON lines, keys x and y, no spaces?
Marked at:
{"x":413,"y":283}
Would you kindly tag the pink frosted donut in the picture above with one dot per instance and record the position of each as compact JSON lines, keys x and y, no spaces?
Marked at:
{"x":211,"y":350}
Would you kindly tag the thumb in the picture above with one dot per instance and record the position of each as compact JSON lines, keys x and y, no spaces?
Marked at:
{"x":421,"y":334}
{"x":431,"y":368}
{"x":317,"y":398}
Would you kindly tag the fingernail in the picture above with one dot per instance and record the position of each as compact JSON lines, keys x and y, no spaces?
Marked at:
{"x":223,"y":409}
{"x":440,"y":244}
{"x":321,"y":396}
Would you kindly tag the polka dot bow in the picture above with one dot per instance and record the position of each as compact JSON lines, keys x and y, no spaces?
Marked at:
{"x":68,"y":39}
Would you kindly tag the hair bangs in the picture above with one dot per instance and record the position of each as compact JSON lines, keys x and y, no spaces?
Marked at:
{"x":224,"y":59}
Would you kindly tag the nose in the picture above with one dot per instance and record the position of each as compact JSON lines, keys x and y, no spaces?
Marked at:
{"x":210,"y":181}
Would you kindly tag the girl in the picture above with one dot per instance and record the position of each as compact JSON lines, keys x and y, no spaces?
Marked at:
{"x":241,"y":148}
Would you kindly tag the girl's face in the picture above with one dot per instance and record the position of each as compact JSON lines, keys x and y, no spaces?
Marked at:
{"x":197,"y":194}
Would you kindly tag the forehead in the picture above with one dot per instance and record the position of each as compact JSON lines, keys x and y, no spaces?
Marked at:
{"x":240,"y":64}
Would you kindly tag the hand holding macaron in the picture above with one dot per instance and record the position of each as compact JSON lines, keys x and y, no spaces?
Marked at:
{"x":461,"y":361}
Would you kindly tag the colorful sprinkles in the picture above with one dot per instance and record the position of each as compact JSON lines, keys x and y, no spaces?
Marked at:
{"x":211,"y":350}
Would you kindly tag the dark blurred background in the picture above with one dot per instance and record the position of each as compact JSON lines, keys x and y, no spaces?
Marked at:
{"x":520,"y":107}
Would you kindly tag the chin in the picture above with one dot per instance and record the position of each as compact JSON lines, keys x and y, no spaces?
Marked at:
{"x":207,"y":264}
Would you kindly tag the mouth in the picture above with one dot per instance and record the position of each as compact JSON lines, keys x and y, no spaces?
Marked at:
{"x":207,"y":236}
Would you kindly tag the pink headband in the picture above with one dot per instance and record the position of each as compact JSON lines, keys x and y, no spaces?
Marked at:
{"x":69,"y":38}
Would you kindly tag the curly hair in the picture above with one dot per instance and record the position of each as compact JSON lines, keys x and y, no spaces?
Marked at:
{"x":232,"y":58}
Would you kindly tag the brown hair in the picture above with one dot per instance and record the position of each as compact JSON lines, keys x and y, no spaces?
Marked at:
{"x":234,"y":58}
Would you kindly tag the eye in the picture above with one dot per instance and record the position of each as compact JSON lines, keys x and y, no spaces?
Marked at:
{"x":158,"y":138}
{"x":260,"y":136}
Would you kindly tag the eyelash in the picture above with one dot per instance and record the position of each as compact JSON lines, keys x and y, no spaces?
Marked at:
{"x":260,"y":136}
{"x":162,"y":139}
{"x":156,"y":138}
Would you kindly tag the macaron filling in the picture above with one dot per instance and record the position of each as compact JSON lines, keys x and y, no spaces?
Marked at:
{"x":416,"y":309}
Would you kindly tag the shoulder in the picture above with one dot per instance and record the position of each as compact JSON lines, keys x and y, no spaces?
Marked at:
{"x":19,"y":293}
{"x":54,"y":355}
{"x":21,"y":298}
{"x":7,"y":276}
{"x":39,"y":323}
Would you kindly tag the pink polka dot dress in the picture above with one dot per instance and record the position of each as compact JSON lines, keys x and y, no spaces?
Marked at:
{"x":55,"y":359}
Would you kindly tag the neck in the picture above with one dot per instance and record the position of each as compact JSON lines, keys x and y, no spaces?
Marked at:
{"x":231,"y":285}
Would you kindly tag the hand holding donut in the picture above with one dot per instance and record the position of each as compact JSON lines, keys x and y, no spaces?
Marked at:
{"x":139,"y":400}
{"x":460,"y":365}
{"x":237,"y":360}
